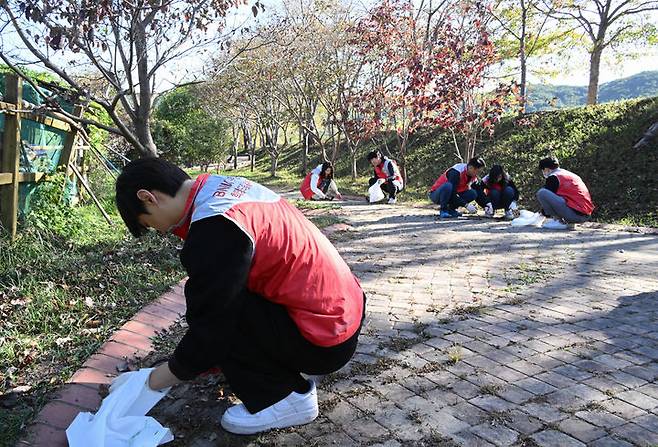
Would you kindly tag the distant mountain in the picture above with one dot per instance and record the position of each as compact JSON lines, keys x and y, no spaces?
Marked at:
{"x":549,"y":97}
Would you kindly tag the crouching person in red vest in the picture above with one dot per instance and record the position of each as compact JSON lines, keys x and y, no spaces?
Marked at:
{"x":387,"y":175}
{"x":268,"y":296}
{"x":319,"y":184}
{"x":497,"y":191}
{"x":453,"y":188}
{"x":564,"y":198}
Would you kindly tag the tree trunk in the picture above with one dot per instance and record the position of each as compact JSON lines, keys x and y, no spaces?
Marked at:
{"x":143,"y":132}
{"x":304,"y":138}
{"x":523,"y":59}
{"x":274,"y":162}
{"x":143,"y":109}
{"x":236,"y":142}
{"x":594,"y":67}
{"x":354,"y":165}
{"x":403,"y":159}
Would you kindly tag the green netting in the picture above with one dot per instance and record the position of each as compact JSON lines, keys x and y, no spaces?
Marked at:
{"x":41,"y":146}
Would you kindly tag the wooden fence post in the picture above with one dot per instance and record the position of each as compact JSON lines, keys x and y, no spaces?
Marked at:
{"x":11,"y":147}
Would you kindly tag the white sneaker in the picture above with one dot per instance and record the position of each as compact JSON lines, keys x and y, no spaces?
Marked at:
{"x":509,"y":215}
{"x":488,"y":210}
{"x":472,"y":209}
{"x":392,"y":201}
{"x":553,"y":224}
{"x":296,"y":409}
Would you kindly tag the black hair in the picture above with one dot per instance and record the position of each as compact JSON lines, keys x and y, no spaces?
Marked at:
{"x":374,"y":154}
{"x":152,"y":174}
{"x":550,"y":162}
{"x":326,"y":165}
{"x":495,"y":171}
{"x":477,"y":162}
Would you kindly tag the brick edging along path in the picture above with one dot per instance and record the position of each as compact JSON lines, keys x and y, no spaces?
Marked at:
{"x":80,"y":393}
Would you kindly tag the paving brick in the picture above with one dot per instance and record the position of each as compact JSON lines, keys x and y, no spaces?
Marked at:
{"x":636,"y":434}
{"x":491,"y":403}
{"x":638,"y":399}
{"x":610,"y":441}
{"x":581,"y":430}
{"x":80,"y":396}
{"x":58,"y":414}
{"x":552,"y":438}
{"x":543,"y":412}
{"x":91,"y":377}
{"x":496,"y":434}
{"x":102,"y":363}
{"x":41,"y":435}
{"x":535,"y":386}
{"x":135,"y":341}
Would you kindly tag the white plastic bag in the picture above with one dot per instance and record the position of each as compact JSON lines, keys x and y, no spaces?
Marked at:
{"x":375,"y":193}
{"x":121,"y":420}
{"x":527,"y":218}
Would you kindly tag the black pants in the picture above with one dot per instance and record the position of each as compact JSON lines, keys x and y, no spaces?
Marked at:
{"x":268,"y":353}
{"x":388,"y":187}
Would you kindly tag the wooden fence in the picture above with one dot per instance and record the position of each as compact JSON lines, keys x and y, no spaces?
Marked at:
{"x":10,"y":149}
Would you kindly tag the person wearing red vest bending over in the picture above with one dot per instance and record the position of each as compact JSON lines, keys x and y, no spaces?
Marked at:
{"x":453,"y":188}
{"x":319,"y":184}
{"x":564,"y":198}
{"x":268,"y":296}
{"x":497,"y":191}
{"x":387,"y":175}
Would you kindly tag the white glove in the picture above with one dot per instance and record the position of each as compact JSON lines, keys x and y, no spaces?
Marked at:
{"x":381,"y":181}
{"x":513,"y":206}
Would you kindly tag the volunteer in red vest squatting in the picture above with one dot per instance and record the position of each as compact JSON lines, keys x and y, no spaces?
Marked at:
{"x":319,"y":184}
{"x":564,"y":198}
{"x":387,"y":175}
{"x":497,"y":191}
{"x":453,"y":188}
{"x":268,"y":296}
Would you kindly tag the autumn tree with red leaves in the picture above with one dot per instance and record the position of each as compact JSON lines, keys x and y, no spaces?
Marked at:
{"x":411,"y":81}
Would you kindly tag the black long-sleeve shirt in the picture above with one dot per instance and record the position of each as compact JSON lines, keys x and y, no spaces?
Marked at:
{"x":552,"y":183}
{"x":217,"y":257}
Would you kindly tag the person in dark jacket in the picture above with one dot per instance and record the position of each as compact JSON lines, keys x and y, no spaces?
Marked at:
{"x":453,"y":188}
{"x":386,"y":174}
{"x":268,"y":296}
{"x":497,"y":191}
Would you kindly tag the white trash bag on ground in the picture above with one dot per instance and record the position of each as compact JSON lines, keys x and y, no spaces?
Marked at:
{"x":121,"y":420}
{"x":375,"y":193}
{"x":528,"y":218}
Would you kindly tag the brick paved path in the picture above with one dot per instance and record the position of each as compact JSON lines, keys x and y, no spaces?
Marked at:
{"x":479,"y":334}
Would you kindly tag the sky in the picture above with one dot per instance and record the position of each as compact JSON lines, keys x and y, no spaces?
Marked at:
{"x":576,"y":72}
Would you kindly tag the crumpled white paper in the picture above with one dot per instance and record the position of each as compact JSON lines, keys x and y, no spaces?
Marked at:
{"x":528,"y":218}
{"x":121,"y":420}
{"x":375,"y":193}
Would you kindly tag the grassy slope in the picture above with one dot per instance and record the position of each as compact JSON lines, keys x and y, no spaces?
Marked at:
{"x":595,"y":142}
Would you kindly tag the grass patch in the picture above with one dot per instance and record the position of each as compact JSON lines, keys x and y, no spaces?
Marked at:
{"x":63,"y":290}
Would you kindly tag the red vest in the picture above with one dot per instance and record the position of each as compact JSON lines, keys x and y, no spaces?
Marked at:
{"x":293,"y":263}
{"x":490,"y":185}
{"x":573,"y":190}
{"x":305,"y":187}
{"x":464,"y":180}
{"x":381,"y":170}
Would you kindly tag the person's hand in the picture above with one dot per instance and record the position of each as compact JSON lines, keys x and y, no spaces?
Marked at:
{"x":162,"y":377}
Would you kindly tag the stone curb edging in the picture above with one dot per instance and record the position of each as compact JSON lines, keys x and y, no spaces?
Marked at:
{"x":80,"y":393}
